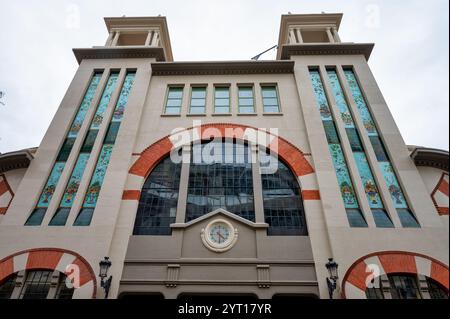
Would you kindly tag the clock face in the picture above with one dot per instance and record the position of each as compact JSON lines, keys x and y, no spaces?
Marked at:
{"x":219,"y":233}
{"x":219,"y":236}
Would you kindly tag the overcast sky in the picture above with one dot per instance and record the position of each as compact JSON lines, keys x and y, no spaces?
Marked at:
{"x":410,"y":60}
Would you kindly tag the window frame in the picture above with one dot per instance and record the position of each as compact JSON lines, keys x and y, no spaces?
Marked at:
{"x":193,"y":87}
{"x":166,"y":100}
{"x":277,"y":91}
{"x":239,"y":87}
{"x":222,"y":86}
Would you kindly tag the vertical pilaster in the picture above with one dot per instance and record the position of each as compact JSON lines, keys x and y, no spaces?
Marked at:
{"x":257,"y":185}
{"x":184,"y":183}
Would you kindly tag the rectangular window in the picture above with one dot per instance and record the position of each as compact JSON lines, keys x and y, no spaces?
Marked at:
{"x":222,"y":100}
{"x":198,"y":100}
{"x":270,"y":99}
{"x":174,"y":100}
{"x":246,"y":100}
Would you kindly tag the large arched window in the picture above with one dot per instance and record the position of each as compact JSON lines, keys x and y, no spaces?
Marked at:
{"x":159,"y":199}
{"x":283,"y":205}
{"x":405,"y":286}
{"x":36,"y":284}
{"x":221,"y":175}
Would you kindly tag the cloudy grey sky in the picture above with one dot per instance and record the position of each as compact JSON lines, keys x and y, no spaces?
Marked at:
{"x":410,"y":60}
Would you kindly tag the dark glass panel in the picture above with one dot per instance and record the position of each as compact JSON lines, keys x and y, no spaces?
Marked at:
{"x":379,"y":149}
{"x":88,"y":144}
{"x":7,"y":287}
{"x":65,"y":150}
{"x":84,"y":218}
{"x":36,"y":217}
{"x":404,"y":287}
{"x":356,"y":218}
{"x":64,"y":292}
{"x":60,"y":218}
{"x":331,"y":133}
{"x":37,"y":285}
{"x":407,"y":218}
{"x":435,"y":289}
{"x":382,"y":219}
{"x":354,"y":139}
{"x":113,"y":130}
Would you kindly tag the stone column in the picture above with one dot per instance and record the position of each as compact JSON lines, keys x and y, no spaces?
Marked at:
{"x":330,"y":35}
{"x":184,"y":183}
{"x":336,"y":36}
{"x":257,"y":185}
{"x":149,"y":38}
{"x":116,"y":39}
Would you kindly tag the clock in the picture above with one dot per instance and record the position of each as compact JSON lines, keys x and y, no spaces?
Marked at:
{"x":219,"y":236}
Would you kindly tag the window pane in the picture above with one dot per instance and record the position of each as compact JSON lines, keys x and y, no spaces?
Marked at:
{"x":173,"y":110}
{"x":246,"y":102}
{"x":222,"y":110}
{"x":198,"y":102}
{"x":174,"y":103}
{"x":382,"y":219}
{"x":197,"y":110}
{"x":222,"y":92}
{"x":331,"y":133}
{"x":378,"y":147}
{"x":354,"y":139}
{"x":246,"y":109}
{"x":36,"y":217}
{"x":246,"y":92}
{"x":271,"y":109}
{"x":65,"y":150}
{"x":198,"y":93}
{"x":7,"y":287}
{"x":175,"y":93}
{"x":269,"y":92}
{"x":85,"y":217}
{"x":404,"y":287}
{"x":407,"y":218}
{"x":222,"y":102}
{"x":356,"y":218}
{"x":112,"y":133}
{"x":270,"y":102}
{"x":60,"y":217}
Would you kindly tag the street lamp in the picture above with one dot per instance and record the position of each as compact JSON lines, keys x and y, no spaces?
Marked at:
{"x":104,"y":267}
{"x":332,"y":268}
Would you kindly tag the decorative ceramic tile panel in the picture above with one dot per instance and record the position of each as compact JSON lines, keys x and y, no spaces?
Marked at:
{"x":392,"y":184}
{"x":106,"y":97}
{"x":321,"y":98}
{"x":75,"y":179}
{"x":340,"y":99}
{"x":368,"y":181}
{"x":97,"y":179}
{"x":123,"y":99}
{"x":383,"y":160}
{"x":87,"y":100}
{"x":364,"y":112}
{"x":343,"y":176}
{"x":50,"y":187}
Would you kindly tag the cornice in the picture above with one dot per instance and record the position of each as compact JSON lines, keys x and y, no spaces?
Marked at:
{"x":289,"y":50}
{"x":16,"y":160}
{"x":223,"y":67}
{"x":430,"y":157}
{"x":119,"y":53}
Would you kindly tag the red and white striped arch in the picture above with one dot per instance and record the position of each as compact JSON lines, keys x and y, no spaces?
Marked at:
{"x":6,"y":195}
{"x":440,"y":195}
{"x":290,"y":154}
{"x":52,"y":259}
{"x":391,"y":262}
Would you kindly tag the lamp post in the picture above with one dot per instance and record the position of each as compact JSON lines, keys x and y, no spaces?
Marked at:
{"x":332,"y":268}
{"x":105,"y":264}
